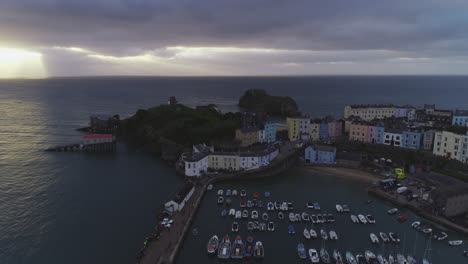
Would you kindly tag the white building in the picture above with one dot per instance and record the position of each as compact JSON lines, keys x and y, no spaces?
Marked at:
{"x":314,"y":131}
{"x":451,"y":145}
{"x":393,"y":138}
{"x":297,"y":127}
{"x":197,"y":163}
{"x":181,"y":198}
{"x":262,"y":136}
{"x":255,"y":160}
{"x":371,"y":112}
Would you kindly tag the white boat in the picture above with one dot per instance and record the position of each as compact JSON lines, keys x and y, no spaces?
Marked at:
{"x":384,"y":237}
{"x":416,"y":224}
{"x":297,"y":217}
{"x":232,"y":212}
{"x":339,"y":208}
{"x":235,"y":227}
{"x":370,"y":257}
{"x":391,"y":259}
{"x":401,"y":259}
{"x":284,"y":206}
{"x":333,"y":235}
{"x":271,"y":226}
{"x":220,"y":192}
{"x":265,"y":216}
{"x":234,"y":192}
{"x":381,"y":259}
{"x":455,"y":242}
{"x":392,"y":211}
{"x":243,"y":193}
{"x":305,"y":217}
{"x":362,"y":219}
{"x":354,"y":219}
{"x":350,"y":258}
{"x":212,"y":245}
{"x":313,"y":234}
{"x":323,"y":234}
{"x":314,"y":256}
{"x":370,"y":219}
{"x":324,"y":255}
{"x":411,"y":260}
{"x":337,"y":257}
{"x":220,"y":199}
{"x":245,"y":214}
{"x":374,"y":239}
{"x":209,"y":187}
{"x":238,"y":214}
{"x":224,"y":249}
{"x":261,"y":226}
{"x":426,"y":230}
{"x":441,"y":236}
{"x":394,"y":237}
{"x":309,"y":205}
{"x":306,"y":233}
{"x":228,"y":192}
{"x":280,"y":215}
{"x":345,"y":208}
{"x":292,"y":218}
{"x":259,"y":251}
{"x":270,"y":206}
{"x":254,"y":214}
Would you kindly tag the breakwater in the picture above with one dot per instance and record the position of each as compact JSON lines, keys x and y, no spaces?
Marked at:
{"x":165,"y":247}
{"x":101,"y":147}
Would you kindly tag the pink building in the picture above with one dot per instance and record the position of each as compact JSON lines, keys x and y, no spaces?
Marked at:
{"x":359,"y":132}
{"x":97,"y":139}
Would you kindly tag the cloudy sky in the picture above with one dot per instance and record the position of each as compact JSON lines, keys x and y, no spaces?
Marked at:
{"x":232,"y":37}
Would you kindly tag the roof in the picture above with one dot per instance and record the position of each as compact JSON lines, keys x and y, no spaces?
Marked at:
{"x":323,"y":148}
{"x":255,"y":153}
{"x":197,"y":156}
{"x":393,"y":130}
{"x":461,"y":112}
{"x":180,"y":196}
{"x":97,"y":136}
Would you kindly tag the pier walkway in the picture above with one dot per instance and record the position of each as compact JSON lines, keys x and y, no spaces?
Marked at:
{"x":164,"y":249}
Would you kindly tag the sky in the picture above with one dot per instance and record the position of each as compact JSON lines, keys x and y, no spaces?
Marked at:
{"x":43,"y":38}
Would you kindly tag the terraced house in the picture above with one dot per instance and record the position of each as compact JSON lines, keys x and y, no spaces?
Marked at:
{"x":451,"y":145}
{"x":298,"y":128}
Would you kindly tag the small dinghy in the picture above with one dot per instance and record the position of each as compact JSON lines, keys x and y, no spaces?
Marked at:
{"x":224,"y":212}
{"x":314,"y":219}
{"x":309,"y":205}
{"x":374,"y":239}
{"x":238,"y":214}
{"x":384,"y":237}
{"x":345,"y":208}
{"x":270,"y":206}
{"x":313,"y":234}
{"x":339,"y":208}
{"x":220,"y":200}
{"x":235,"y":227}
{"x":228,"y":192}
{"x":354,"y":219}
{"x":350,"y":258}
{"x":292,"y":218}
{"x":316,"y":206}
{"x":392,"y":211}
{"x":232,"y":212}
{"x":249,"y":204}
{"x":381,"y":259}
{"x":314,"y":256}
{"x":262,"y":227}
{"x":260,"y":204}
{"x":250,"y":226}
{"x":212,"y":245}
{"x":297,"y":217}
{"x":284,"y":206}
{"x":455,"y":242}
{"x":333,"y":235}
{"x":243,"y":204}
{"x":362,"y":219}
{"x":306,"y":233}
{"x":323,"y":234}
{"x":291,"y":230}
{"x":243,"y":193}
{"x":234,"y":193}
{"x":254,"y":214}
{"x":280,"y":215}
{"x":277,"y":205}
{"x":426,"y":230}
{"x":416,"y":224}
{"x":305,"y":217}
{"x":220,"y":192}
{"x":271,"y":226}
{"x":245,"y":214}
{"x":394,"y":237}
{"x":324,"y":255}
{"x":441,"y":236}
{"x":209,"y":187}
{"x":370,"y":219}
{"x":301,"y":251}
{"x":265,"y":216}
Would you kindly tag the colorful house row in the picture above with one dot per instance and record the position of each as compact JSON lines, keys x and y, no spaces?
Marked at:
{"x":460,"y":118}
{"x":451,"y":145}
{"x":252,"y":135}
{"x":204,"y":158}
{"x":372,"y":112}
{"x":305,"y":129}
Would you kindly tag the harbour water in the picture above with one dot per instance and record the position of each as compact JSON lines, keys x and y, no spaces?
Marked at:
{"x":98,"y":208}
{"x":299,"y":186}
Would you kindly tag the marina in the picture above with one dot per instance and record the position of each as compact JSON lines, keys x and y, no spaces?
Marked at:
{"x":291,"y":235}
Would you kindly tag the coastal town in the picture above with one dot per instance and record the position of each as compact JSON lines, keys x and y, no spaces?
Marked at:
{"x":417,"y":158}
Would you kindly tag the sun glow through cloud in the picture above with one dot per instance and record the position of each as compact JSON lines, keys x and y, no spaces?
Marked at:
{"x":21,"y":63}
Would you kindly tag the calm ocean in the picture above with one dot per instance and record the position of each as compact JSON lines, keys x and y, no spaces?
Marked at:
{"x":75,"y":208}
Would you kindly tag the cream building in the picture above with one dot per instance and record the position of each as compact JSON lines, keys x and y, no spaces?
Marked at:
{"x":297,"y":127}
{"x":451,"y":145}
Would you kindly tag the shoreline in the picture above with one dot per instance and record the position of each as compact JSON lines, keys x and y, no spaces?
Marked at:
{"x":356,"y":175}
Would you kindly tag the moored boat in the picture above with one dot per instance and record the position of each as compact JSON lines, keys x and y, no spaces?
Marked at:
{"x":249,"y":247}
{"x":345,"y":208}
{"x":381,"y":259}
{"x":212,"y":245}
{"x":209,"y":187}
{"x":416,"y":224}
{"x":242,"y":204}
{"x":337,"y":257}
{"x":262,"y":227}
{"x":401,"y":259}
{"x":245,"y":214}
{"x":320,"y":218}
{"x":394,"y":237}
{"x":441,"y":236}
{"x":238,"y":214}
{"x":403,"y":218}
{"x":323,"y":234}
{"x":350,"y":259}
{"x":374,"y":239}
{"x":235,"y":227}
{"x":316,"y":206}
{"x":277,"y":205}
{"x":305,"y":217}
{"x":354,"y":219}
{"x":411,"y":259}
{"x":259,"y":251}
{"x":260,"y":204}
{"x":254,"y":214}
{"x":280,"y":215}
{"x":290,"y":206}
{"x":267,"y":194}
{"x":249,"y":204}
{"x":384,"y":237}
{"x":362,"y":219}
{"x":360,"y":259}
{"x":301,"y":251}
{"x":256,"y":195}
{"x":220,"y":192}
{"x":370,"y":257}
{"x":297,"y":217}
{"x":228,"y":192}
{"x":224,"y":249}
{"x":314,"y":256}
{"x":306,"y":233}
{"x":455,"y":242}
{"x":284,"y":206}
{"x":220,"y":200}
{"x":271,"y":226}
{"x":392,"y":211}
{"x":324,"y":256}
{"x":270,"y":206}
{"x":243,"y":193}
{"x":309,"y":205}
{"x":234,"y":192}
{"x":265,"y":216}
{"x":250,"y":226}
{"x":339,"y":208}
{"x":224,"y":212}
{"x":333,"y":235}
{"x":292,"y":218}
{"x":291,"y":230}
{"x":237,"y":249}
{"x":370,"y":219}
{"x":232,"y":212}
{"x":391,"y":259}
{"x":313,"y":234}
{"x":313,"y":218}
{"x":330,"y":218}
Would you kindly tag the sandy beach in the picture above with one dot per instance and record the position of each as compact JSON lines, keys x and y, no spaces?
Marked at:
{"x":347,"y":173}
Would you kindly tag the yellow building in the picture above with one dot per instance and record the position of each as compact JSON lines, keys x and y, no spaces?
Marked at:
{"x":248,"y":136}
{"x":224,"y":161}
{"x":298,"y":127}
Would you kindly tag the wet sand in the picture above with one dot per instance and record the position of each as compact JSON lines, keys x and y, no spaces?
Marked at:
{"x":345,"y":173}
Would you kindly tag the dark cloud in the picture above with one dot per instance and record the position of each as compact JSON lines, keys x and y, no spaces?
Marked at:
{"x":358,"y":30}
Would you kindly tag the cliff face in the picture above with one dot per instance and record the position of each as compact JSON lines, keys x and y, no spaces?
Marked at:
{"x":260,"y":101}
{"x":168,"y":129}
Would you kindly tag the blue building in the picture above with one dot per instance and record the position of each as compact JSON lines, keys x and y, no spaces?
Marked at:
{"x":460,"y":118}
{"x":376,"y":134}
{"x":270,"y":132}
{"x":323,"y":132}
{"x":320,"y":154}
{"x":412,"y":139}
